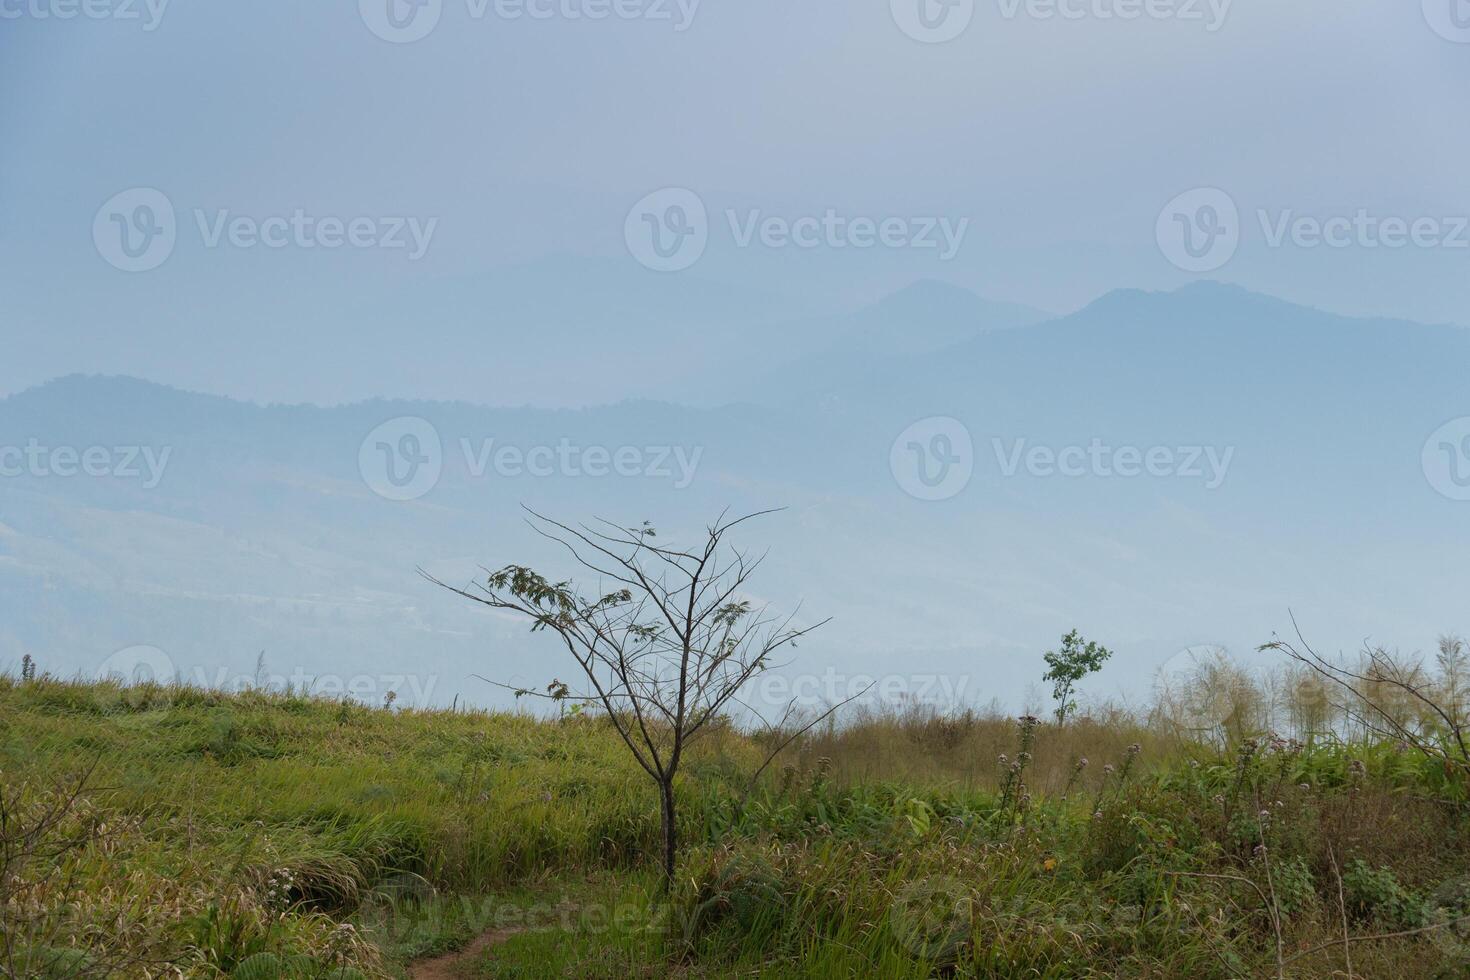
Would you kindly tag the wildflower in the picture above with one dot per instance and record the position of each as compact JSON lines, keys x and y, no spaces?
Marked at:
{"x":1260,"y":850}
{"x":1097,"y":814}
{"x":1108,"y":768}
{"x":1194,"y":763}
{"x":1082,"y":762}
{"x":1134,"y":749}
{"x":1004,"y":760}
{"x":1304,"y":787}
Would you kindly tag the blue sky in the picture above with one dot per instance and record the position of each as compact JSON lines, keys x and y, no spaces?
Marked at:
{"x":1057,"y":138}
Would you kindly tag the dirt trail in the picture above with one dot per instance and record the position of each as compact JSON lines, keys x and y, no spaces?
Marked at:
{"x":447,"y":967}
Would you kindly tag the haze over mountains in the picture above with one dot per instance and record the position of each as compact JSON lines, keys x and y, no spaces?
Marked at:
{"x":1161,"y":470}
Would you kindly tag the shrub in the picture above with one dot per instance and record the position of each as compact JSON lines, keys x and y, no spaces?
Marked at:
{"x":1376,"y":895}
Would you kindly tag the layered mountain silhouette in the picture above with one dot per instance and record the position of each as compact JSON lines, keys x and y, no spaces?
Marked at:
{"x":1295,"y":479}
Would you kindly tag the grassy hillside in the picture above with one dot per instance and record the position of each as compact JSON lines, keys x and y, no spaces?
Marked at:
{"x":268,"y":835}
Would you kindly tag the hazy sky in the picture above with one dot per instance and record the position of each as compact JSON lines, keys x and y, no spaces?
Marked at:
{"x":1056,"y":131}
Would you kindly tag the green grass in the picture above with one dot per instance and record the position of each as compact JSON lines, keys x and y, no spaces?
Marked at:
{"x":267,"y":834}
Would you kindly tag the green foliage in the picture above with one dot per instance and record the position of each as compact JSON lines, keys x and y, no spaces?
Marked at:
{"x":1065,"y":667}
{"x":1296,"y":888}
{"x":1375,"y":895}
{"x":250,"y":829}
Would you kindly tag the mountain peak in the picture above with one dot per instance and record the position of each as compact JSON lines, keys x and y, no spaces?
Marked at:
{"x":1216,"y":295}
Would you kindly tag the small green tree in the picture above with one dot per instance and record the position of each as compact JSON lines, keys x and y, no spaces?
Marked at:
{"x":1065,"y":667}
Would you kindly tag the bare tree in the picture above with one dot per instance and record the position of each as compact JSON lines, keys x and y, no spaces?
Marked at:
{"x":665,"y":650}
{"x":1388,"y":698}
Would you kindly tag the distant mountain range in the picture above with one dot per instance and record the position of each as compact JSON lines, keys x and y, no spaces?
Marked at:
{"x":1161,"y":470}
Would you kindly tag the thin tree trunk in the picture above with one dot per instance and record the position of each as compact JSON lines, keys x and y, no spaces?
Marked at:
{"x":670,"y":831}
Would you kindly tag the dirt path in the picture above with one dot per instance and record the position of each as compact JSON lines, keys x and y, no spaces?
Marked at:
{"x":447,"y":967}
